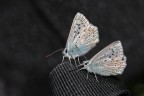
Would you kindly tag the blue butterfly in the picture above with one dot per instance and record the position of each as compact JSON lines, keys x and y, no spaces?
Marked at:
{"x":82,"y":38}
{"x":109,"y":61}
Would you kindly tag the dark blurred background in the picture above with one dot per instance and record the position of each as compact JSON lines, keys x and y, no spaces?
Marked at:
{"x":31,"y":29}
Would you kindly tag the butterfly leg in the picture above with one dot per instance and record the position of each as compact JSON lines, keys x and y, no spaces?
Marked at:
{"x":79,"y":60}
{"x":87,"y":75}
{"x":70,"y":61}
{"x":63,"y":59}
{"x":71,"y":65}
{"x":96,"y":78}
{"x":75,"y":61}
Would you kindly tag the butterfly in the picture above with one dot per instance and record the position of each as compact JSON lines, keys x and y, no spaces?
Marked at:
{"x":82,"y":38}
{"x":109,"y":61}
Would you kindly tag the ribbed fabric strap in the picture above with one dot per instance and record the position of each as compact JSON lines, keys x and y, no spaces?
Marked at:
{"x":65,"y":80}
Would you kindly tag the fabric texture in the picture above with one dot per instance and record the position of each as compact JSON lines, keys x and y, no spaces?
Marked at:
{"x":66,"y":80}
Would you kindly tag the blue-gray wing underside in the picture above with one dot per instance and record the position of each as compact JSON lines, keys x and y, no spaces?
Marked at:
{"x":79,"y":23}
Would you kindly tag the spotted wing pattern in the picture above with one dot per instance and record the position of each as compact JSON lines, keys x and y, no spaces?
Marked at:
{"x":111,"y":60}
{"x":87,"y":40}
{"x":79,"y":23}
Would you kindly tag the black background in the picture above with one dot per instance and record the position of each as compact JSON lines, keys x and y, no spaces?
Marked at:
{"x":31,"y":29}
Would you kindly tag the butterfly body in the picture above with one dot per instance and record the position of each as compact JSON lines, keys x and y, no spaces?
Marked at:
{"x":82,"y":38}
{"x":109,"y":61}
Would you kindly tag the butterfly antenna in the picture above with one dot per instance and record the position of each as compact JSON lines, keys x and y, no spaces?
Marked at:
{"x":80,"y":65}
{"x":54,"y":52}
{"x":80,"y":69}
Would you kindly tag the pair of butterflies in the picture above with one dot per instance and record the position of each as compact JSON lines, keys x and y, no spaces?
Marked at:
{"x":82,"y":38}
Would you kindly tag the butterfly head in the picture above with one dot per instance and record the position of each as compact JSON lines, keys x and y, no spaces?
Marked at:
{"x":66,"y":54}
{"x":85,"y":62}
{"x":86,"y":65}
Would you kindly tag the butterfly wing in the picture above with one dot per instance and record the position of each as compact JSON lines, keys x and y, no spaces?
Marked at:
{"x":87,"y":40}
{"x":80,"y":22}
{"x":110,"y":60}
